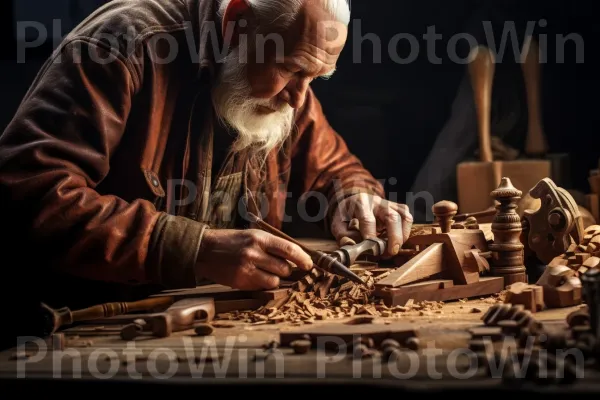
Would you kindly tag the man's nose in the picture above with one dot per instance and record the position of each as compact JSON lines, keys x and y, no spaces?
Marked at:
{"x":296,"y":91}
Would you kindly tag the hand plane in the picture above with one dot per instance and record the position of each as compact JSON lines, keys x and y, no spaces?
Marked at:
{"x":549,"y":231}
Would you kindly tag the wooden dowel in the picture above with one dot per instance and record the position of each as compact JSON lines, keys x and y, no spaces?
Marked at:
{"x":486,"y":213}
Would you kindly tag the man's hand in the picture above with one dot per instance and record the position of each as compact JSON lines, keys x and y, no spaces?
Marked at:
{"x":248,"y":259}
{"x":375,"y":215}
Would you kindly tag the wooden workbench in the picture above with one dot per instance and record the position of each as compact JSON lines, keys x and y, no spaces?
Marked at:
{"x":234,"y":355}
{"x":236,"y":350}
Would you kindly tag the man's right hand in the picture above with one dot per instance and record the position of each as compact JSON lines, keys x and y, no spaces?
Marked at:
{"x":248,"y":259}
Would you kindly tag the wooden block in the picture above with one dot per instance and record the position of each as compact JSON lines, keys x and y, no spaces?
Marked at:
{"x":529,"y":296}
{"x":484,"y":287}
{"x":456,"y":245}
{"x":561,"y":287}
{"x":331,"y":334}
{"x":476,"y":180}
{"x":567,"y":295}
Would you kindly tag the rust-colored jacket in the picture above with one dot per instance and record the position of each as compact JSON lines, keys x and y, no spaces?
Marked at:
{"x":87,"y":165}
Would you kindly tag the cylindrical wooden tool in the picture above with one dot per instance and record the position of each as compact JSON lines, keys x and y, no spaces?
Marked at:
{"x":536,"y":145}
{"x":482,"y":69}
{"x":55,"y":319}
{"x":475,"y":180}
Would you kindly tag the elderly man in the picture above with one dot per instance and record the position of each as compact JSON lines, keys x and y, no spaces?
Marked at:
{"x":152,"y":130}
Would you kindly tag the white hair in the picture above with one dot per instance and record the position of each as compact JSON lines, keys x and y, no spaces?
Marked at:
{"x":235,"y":107}
{"x":232,"y":93}
{"x":282,"y":13}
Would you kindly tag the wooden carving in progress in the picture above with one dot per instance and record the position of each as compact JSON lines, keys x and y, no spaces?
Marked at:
{"x":447,"y":266}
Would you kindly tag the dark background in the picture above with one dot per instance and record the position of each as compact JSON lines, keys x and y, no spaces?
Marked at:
{"x":411,"y":121}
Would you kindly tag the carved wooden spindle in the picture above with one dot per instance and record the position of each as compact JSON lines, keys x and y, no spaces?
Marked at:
{"x":506,"y":227}
{"x":445,"y":211}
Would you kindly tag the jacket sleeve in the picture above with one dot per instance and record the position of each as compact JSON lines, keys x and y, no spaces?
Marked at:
{"x":322,"y":162}
{"x":55,"y":152}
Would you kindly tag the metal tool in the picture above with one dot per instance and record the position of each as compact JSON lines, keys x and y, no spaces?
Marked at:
{"x":320,"y":259}
{"x":53,"y":319}
{"x":550,"y":230}
{"x":348,"y":255}
{"x":181,"y":316}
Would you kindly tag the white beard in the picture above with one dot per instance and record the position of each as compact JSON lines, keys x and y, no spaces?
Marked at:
{"x":235,"y":106}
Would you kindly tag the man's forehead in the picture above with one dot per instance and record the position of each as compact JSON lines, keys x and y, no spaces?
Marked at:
{"x":315,"y":26}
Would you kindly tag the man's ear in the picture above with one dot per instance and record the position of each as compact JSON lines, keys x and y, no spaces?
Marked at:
{"x":236,"y":20}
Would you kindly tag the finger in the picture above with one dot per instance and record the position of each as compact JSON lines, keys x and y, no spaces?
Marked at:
{"x":288,"y":251}
{"x":403,"y":210}
{"x":353,"y":236}
{"x":367,"y":222}
{"x":271,"y":264}
{"x":262,"y":279}
{"x":341,"y":229}
{"x":407,"y":219}
{"x":393,"y":224}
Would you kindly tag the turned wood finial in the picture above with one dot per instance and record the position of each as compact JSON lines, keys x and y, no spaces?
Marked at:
{"x":444,"y":211}
{"x":507,"y":229}
{"x":506,"y":191}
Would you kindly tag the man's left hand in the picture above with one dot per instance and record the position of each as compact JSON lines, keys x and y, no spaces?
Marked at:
{"x":375,"y":215}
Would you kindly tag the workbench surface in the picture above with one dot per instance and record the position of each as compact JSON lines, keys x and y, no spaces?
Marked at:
{"x":236,"y":350}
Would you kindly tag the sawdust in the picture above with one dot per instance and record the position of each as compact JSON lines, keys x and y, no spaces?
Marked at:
{"x":321,"y":296}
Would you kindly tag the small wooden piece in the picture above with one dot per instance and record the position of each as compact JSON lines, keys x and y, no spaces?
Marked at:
{"x":562,"y":288}
{"x":530,"y":296}
{"x":508,"y":261}
{"x":444,"y":212}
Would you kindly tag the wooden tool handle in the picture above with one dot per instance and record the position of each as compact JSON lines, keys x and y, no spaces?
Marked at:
{"x":478,"y":214}
{"x":481,"y":70}
{"x":108,"y":310}
{"x":535,"y":144}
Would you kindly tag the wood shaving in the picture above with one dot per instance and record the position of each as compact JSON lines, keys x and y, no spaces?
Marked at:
{"x":580,"y":258}
{"x":322,"y":296}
